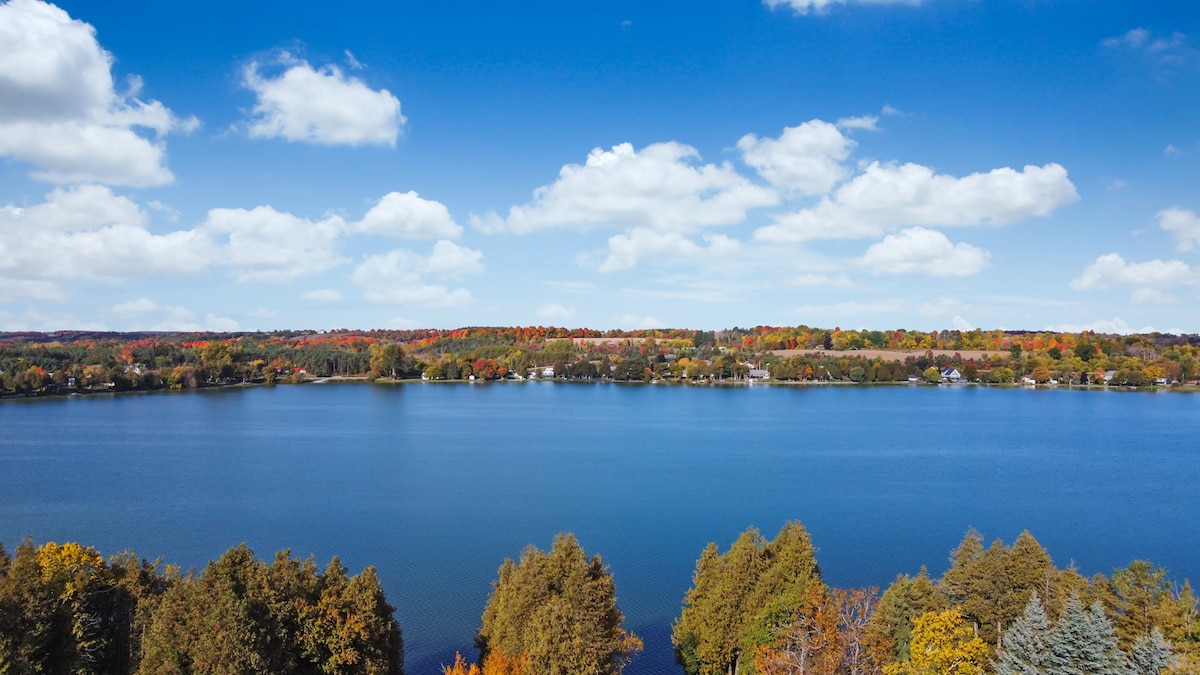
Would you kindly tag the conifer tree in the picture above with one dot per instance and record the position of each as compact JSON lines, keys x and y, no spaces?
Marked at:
{"x":557,"y":609}
{"x":1150,"y":654}
{"x":1084,"y":643}
{"x":1026,"y":644}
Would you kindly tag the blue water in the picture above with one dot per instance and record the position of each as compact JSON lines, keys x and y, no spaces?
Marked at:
{"x":435,"y":484}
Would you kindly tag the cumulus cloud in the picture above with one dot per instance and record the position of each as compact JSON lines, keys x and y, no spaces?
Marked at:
{"x":555,"y":312}
{"x":398,"y":277}
{"x":805,"y":159}
{"x":661,"y":187}
{"x":408,"y":216}
{"x":1112,"y":270}
{"x":321,"y":106}
{"x":918,"y":250}
{"x":60,"y":112}
{"x":888,"y":196}
{"x":87,"y":232}
{"x":1183,"y":224}
{"x":624,"y":250}
{"x":263,"y":244}
{"x":822,"y":6}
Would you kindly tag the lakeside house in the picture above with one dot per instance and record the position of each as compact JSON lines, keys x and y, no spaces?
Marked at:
{"x":951,"y":375}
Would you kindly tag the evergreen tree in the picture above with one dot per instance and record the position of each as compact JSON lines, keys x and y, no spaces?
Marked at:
{"x":1084,"y":643}
{"x":889,"y":631}
{"x":1026,"y":644}
{"x":559,"y":610}
{"x":1150,"y":654}
{"x":743,"y":599}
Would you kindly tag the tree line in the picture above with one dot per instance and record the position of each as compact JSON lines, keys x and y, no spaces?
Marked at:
{"x":80,"y":362}
{"x":761,"y":607}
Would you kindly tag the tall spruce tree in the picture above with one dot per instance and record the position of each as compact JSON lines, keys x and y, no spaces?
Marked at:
{"x":1084,"y":643}
{"x":1026,"y":644}
{"x":1150,"y":654}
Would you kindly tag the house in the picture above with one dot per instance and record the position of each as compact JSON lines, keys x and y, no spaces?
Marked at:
{"x":758,"y":374}
{"x":951,"y":375}
{"x":1109,"y":375}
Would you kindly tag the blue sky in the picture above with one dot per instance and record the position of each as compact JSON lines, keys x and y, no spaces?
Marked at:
{"x":922,"y":164}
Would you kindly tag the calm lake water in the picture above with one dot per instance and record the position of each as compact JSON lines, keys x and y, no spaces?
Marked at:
{"x":435,"y":484}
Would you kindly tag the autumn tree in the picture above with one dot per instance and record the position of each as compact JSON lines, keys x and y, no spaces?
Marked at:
{"x":742,"y":599}
{"x":943,"y":643}
{"x":558,"y":610}
{"x":889,"y":632}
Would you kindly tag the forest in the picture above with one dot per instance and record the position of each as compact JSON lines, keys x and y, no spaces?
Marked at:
{"x":760,"y":607}
{"x":75,"y":362}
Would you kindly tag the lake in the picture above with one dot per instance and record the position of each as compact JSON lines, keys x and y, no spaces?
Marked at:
{"x":435,"y":484}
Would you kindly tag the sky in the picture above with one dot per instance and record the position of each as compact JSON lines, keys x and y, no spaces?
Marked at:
{"x":880,"y":164}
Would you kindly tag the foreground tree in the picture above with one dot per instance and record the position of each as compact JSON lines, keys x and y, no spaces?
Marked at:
{"x":555,"y":613}
{"x":744,"y":599}
{"x":943,"y":643}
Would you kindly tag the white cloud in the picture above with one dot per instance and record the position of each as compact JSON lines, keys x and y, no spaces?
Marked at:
{"x":888,"y":196}
{"x":555,"y":312}
{"x":134,"y":307}
{"x":353,"y":62}
{"x":59,"y":110}
{"x":87,"y":232}
{"x":918,"y":250}
{"x":320,"y":106}
{"x":1139,"y":39}
{"x":962,"y":324}
{"x":81,"y":207}
{"x":397,"y":277}
{"x":661,"y":187}
{"x":322,"y":295}
{"x":865,"y":123}
{"x":407,"y":216}
{"x":262,"y":313}
{"x":891,"y":110}
{"x":1111,"y":270}
{"x":806,"y":159}
{"x":1151,"y":296}
{"x":1183,"y":224}
{"x":822,"y":6}
{"x":263,"y":244}
{"x":624,"y":250}
{"x":634,"y":322}
{"x":1171,"y":150}
{"x":822,"y":281}
{"x":1134,"y":39}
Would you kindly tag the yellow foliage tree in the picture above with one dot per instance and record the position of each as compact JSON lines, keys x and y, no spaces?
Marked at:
{"x":460,"y":667}
{"x":943,"y":643}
